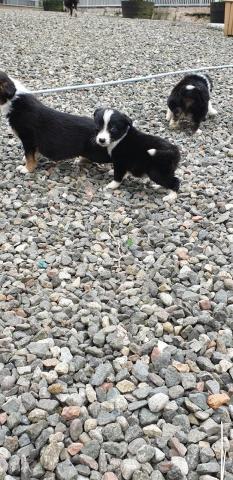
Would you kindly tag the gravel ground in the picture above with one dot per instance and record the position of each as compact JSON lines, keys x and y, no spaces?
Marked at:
{"x":116,"y":308}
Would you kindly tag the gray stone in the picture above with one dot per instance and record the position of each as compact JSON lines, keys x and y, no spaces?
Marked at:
{"x":128,"y":467}
{"x":66,"y":471}
{"x":113,"y":432}
{"x":116,"y":449}
{"x":140,"y":370}
{"x":50,"y":456}
{"x":101,"y":373}
{"x":145,"y":453}
{"x":195,"y":436}
{"x":210,"y":467}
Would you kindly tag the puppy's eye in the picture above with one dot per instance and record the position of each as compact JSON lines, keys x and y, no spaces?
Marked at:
{"x":112,"y":130}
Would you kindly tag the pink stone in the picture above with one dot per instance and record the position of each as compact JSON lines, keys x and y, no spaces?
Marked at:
{"x":68,"y":413}
{"x":3,"y":418}
{"x":205,"y":304}
{"x":74,"y":448}
{"x":109,"y":476}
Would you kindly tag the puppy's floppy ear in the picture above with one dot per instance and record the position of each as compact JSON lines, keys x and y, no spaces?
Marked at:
{"x":98,"y":111}
{"x":7,"y":89}
{"x":128,"y":120}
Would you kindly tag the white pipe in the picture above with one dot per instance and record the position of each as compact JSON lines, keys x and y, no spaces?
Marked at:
{"x":127,"y":80}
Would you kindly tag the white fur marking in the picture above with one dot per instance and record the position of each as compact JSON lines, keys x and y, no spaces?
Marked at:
{"x":20,"y":88}
{"x":169,"y":115}
{"x":190,"y":87}
{"x":198,"y":131}
{"x":152,"y":152}
{"x":202,"y":75}
{"x":211,"y":111}
{"x":22,"y":169}
{"x":115,"y":143}
{"x":173,"y":124}
{"x":6,"y":108}
{"x":171,"y":197}
{"x":113,"y":185}
{"x":104,"y":134}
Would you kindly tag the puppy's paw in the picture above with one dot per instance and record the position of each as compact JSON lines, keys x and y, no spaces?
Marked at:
{"x":82,"y":161}
{"x":173,"y":124}
{"x":112,"y":185}
{"x":198,"y":132}
{"x":156,"y":187}
{"x":170,"y":198}
{"x":168,"y":115}
{"x":22,"y":169}
{"x":212,"y":112}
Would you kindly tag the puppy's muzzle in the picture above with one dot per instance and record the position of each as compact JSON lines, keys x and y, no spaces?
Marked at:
{"x":102,"y":141}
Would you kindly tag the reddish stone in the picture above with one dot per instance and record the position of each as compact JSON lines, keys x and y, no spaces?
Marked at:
{"x":197,"y":218}
{"x":164,"y":467}
{"x":182,"y":253}
{"x":107,"y":385}
{"x":200,"y":386}
{"x":68,"y":413}
{"x":3,"y":418}
{"x":109,"y":476}
{"x":155,"y":353}
{"x":74,"y":448}
{"x":89,"y":461}
{"x":205,"y":304}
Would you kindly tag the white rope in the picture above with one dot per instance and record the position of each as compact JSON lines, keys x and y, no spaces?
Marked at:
{"x":85,"y":86}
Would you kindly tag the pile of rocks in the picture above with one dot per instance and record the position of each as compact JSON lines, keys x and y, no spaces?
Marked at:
{"x":116,"y":317}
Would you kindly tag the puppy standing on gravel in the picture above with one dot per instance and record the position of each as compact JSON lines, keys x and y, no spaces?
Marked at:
{"x":190,"y":98}
{"x":42,"y":130}
{"x":136,"y":152}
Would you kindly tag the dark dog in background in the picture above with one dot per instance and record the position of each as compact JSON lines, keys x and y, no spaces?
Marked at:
{"x":190,"y":99}
{"x":136,"y":152}
{"x":43,"y":130}
{"x":71,"y":5}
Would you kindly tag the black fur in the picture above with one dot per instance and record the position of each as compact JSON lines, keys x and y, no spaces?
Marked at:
{"x":131,"y":153}
{"x":71,"y":5}
{"x":192,"y":103}
{"x":53,"y":134}
{"x":7,"y":88}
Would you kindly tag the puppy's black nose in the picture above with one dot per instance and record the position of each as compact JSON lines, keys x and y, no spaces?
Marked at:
{"x":102,"y":140}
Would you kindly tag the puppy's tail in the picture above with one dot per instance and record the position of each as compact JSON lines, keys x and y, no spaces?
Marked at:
{"x":168,"y":158}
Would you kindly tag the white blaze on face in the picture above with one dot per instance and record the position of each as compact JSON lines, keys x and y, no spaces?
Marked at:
{"x":103,"y":138}
{"x":190,"y":87}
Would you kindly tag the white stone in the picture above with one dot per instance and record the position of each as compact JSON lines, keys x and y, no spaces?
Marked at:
{"x":166,"y":299}
{"x":128,"y":467}
{"x":181,"y":463}
{"x":158,"y":402}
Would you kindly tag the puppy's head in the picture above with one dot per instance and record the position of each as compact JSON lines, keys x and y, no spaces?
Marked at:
{"x":7,"y":88}
{"x":111,"y":126}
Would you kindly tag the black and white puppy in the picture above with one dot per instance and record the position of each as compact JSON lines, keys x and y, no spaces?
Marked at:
{"x":71,"y":5}
{"x":136,"y":152}
{"x":190,"y":98}
{"x":43,"y":130}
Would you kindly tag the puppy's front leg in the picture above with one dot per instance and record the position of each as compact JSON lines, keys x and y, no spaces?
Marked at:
{"x":211,"y":111}
{"x":119,"y":173}
{"x":169,"y":115}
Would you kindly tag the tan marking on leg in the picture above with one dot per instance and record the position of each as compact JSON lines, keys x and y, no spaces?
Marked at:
{"x":31,"y":161}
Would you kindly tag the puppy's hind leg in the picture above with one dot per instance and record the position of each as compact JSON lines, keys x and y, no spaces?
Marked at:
{"x":171,"y":183}
{"x":211,"y":111}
